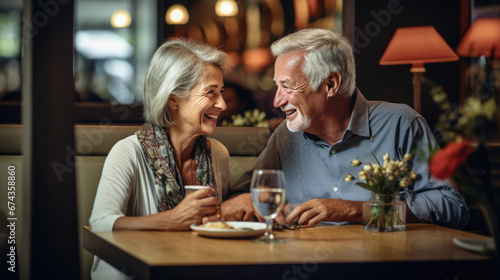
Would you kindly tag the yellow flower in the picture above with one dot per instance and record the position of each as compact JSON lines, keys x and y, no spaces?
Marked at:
{"x":362,"y":175}
{"x":388,"y":170}
{"x":406,"y":157}
{"x":254,"y":118}
{"x":439,"y":97}
{"x":391,"y":178}
{"x":348,"y":178}
{"x":386,"y":157}
{"x":445,"y":106}
{"x":489,"y":108}
{"x":404,"y":182}
{"x":472,"y":107}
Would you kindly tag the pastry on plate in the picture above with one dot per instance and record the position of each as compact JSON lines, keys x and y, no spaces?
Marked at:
{"x":219,"y":225}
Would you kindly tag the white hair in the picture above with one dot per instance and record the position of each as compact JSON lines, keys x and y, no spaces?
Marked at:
{"x":175,"y":68}
{"x":325,"y":52}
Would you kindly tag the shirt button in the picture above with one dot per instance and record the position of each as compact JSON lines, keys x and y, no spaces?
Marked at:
{"x":333,"y":152}
{"x":335,"y":189}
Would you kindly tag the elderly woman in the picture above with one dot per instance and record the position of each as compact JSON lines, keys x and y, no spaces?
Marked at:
{"x":143,"y":179}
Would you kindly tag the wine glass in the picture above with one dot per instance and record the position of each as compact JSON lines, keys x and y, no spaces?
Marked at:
{"x":268,"y":197}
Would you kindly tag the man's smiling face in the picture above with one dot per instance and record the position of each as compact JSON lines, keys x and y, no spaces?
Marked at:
{"x":294,"y":95}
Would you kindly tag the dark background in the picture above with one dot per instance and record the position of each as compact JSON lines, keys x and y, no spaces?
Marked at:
{"x":394,"y":82}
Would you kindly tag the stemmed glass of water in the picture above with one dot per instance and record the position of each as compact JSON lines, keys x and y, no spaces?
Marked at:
{"x":268,"y":197}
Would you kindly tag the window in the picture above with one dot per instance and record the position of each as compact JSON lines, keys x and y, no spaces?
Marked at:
{"x":114,"y":41}
{"x":10,"y":51}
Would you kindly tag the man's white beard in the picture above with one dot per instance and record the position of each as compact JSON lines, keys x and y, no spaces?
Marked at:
{"x":299,"y":123}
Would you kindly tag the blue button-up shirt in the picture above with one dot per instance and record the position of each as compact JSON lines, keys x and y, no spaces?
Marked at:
{"x":315,"y":169}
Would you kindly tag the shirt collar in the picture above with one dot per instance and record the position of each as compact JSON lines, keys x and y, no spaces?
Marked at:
{"x":359,"y":123}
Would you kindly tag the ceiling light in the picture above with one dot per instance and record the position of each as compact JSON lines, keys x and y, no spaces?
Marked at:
{"x":120,"y":19}
{"x":226,"y":8}
{"x":177,"y":14}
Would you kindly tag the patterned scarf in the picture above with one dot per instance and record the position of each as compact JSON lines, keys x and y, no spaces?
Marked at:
{"x":160,"y":158}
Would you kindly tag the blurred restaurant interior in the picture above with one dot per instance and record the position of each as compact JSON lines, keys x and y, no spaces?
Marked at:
{"x":83,"y":62}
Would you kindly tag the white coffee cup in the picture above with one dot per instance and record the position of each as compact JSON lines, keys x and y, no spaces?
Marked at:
{"x":191,"y":188}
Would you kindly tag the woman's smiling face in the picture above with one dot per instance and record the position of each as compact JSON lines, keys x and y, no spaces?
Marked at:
{"x":199,"y":112}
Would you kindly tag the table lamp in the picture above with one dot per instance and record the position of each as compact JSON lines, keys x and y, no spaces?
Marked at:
{"x":416,"y":46}
{"x":482,"y":39}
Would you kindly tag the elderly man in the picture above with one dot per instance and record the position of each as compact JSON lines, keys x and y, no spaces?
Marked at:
{"x":328,"y":124}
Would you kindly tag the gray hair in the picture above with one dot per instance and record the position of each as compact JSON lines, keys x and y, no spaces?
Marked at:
{"x":175,"y":68}
{"x":325,"y":52}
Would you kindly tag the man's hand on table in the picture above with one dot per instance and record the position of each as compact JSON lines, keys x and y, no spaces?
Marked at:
{"x":238,"y":208}
{"x":318,"y":210}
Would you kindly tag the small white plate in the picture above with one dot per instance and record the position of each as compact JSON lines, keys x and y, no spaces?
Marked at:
{"x":480,"y":245}
{"x":241,"y":230}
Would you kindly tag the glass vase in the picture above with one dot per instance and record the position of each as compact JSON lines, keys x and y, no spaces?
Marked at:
{"x":384,"y":212}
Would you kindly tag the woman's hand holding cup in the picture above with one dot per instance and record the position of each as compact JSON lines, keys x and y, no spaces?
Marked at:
{"x":197,"y":203}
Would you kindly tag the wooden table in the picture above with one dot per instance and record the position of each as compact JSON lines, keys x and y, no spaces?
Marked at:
{"x":423,"y":251}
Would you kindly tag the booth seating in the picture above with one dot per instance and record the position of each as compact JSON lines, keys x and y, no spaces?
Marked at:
{"x":92,"y":144}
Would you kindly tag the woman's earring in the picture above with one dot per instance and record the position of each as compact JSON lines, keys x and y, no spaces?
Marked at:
{"x":175,"y":107}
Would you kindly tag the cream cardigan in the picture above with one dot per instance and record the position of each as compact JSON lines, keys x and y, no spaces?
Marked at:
{"x":127,"y":188}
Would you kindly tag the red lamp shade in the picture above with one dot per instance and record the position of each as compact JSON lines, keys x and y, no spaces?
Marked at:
{"x":417,"y":45}
{"x":482,"y":38}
